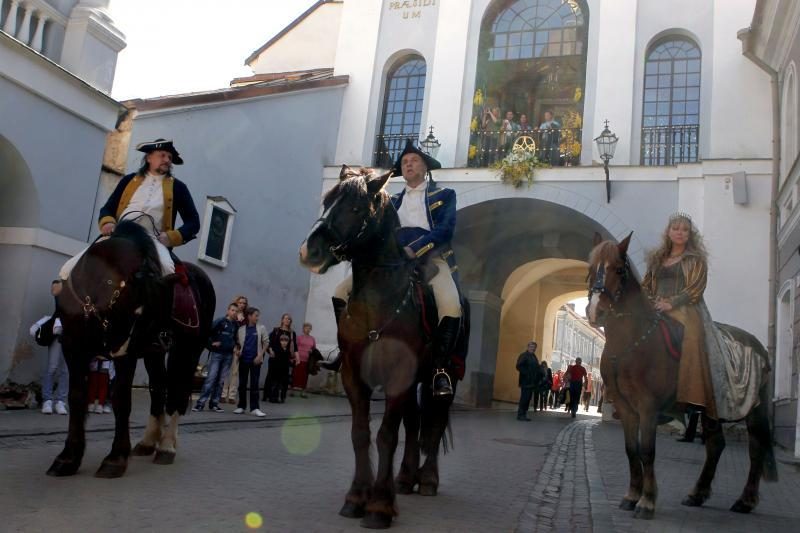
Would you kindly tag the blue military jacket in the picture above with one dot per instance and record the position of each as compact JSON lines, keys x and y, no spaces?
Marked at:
{"x":441,"y":204}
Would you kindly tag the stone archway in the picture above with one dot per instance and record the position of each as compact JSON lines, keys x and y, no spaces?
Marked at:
{"x":19,"y":205}
{"x":519,"y":260}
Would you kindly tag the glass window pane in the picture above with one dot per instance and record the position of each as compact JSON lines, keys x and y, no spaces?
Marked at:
{"x":527,"y":37}
{"x":513,"y":52}
{"x":650,"y":95}
{"x":526,"y":52}
{"x":538,"y":50}
{"x":500,"y":39}
{"x":693,"y":93}
{"x":678,"y":120}
{"x":570,"y":34}
{"x":401,"y":83}
{"x":651,"y":82}
{"x":514,"y":39}
{"x":694,"y":65}
{"x":679,"y":66}
{"x":678,"y":108}
{"x":662,"y":121}
{"x":554,"y":49}
{"x":693,"y":79}
{"x":500,"y":54}
{"x":569,"y":49}
{"x":664,"y":67}
{"x":679,"y":94}
{"x":680,"y":80}
{"x":692,"y":107}
{"x":650,"y":109}
{"x":692,"y":119}
{"x":663,"y":95}
{"x":651,"y":68}
{"x":541,"y":37}
{"x":665,"y":81}
{"x":663,"y":108}
{"x":649,"y":121}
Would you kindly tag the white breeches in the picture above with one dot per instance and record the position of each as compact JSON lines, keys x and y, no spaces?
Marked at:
{"x":167,"y":265}
{"x":444,"y":288}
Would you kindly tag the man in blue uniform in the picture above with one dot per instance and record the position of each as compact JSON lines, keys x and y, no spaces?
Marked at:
{"x":427,"y":215}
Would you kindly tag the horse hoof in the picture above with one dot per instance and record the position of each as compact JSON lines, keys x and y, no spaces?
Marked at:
{"x":627,"y":505}
{"x":143,"y":450}
{"x":643,"y":513}
{"x":352,"y":510}
{"x":374,"y":520}
{"x":693,"y":500}
{"x":110,"y":471}
{"x":164,"y":458}
{"x":428,"y":490}
{"x":404,"y":487}
{"x":741,"y":507}
{"x":61,"y":468}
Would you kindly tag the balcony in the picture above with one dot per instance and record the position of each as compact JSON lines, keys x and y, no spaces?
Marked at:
{"x":670,"y":145}
{"x":29,"y":21}
{"x":558,"y":147}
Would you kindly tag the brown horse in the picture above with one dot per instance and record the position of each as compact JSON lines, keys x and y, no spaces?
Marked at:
{"x":116,"y":303}
{"x":641,"y":376}
{"x":382,"y":343}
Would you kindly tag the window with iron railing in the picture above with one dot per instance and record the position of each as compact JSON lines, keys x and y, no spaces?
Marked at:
{"x":402,"y":110}
{"x":671,"y":103}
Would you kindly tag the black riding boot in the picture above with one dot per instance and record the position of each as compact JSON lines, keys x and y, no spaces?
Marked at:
{"x":339,"y":307}
{"x":443,"y":347}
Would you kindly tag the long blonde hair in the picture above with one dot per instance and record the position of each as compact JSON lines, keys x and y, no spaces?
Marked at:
{"x":694,"y":246}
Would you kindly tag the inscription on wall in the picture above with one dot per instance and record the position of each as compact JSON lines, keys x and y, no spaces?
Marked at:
{"x":410,"y":9}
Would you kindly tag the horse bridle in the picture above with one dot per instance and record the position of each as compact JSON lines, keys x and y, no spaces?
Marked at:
{"x":90,"y":308}
{"x":599,"y":286}
{"x":340,"y":251}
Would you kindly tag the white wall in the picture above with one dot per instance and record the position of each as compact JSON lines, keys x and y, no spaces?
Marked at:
{"x":309,"y":45}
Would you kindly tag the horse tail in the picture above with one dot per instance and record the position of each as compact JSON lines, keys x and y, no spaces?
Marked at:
{"x":435,"y":428}
{"x":761,"y":432}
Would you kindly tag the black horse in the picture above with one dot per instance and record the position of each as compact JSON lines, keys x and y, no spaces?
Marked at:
{"x":383,"y":344}
{"x":116,"y":303}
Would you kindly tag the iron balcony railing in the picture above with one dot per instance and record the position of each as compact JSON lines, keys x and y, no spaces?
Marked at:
{"x":557,"y":147}
{"x":670,"y":145}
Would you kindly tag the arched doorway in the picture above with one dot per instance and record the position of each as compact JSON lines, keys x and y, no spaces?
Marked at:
{"x":519,"y":260}
{"x":19,"y":205}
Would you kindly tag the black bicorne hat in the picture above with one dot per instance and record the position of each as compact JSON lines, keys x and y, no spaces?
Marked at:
{"x":161,"y":144}
{"x":430,"y":162}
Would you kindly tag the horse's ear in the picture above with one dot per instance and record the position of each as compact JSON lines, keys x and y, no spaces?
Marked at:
{"x":597,"y":239}
{"x":375,"y":185}
{"x":623,"y":246}
{"x":344,"y":173}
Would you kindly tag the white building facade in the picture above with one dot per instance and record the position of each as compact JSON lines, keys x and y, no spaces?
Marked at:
{"x":57,"y":62}
{"x":693,"y":116}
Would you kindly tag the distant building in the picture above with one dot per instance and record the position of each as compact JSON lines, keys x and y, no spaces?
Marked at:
{"x":573,"y":338}
{"x":57,"y":63}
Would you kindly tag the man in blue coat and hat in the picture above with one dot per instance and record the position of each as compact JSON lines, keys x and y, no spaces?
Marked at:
{"x":427,"y":215}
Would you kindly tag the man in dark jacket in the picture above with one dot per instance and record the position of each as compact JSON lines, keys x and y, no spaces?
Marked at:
{"x":530,"y":376}
{"x":220,"y":356}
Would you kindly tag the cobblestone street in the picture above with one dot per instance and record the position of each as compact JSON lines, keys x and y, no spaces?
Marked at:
{"x":293,"y":468}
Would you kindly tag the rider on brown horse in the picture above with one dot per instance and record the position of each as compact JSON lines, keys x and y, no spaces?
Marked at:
{"x":428,"y":219}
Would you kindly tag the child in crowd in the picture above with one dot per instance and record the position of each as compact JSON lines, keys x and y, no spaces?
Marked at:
{"x":278,"y":374}
{"x":101,"y":372}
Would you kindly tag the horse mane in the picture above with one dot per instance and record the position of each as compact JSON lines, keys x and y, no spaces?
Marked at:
{"x":605,"y":252}
{"x":151,"y":265}
{"x":354,"y":184}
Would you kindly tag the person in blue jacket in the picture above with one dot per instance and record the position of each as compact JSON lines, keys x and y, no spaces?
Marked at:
{"x":427,"y":215}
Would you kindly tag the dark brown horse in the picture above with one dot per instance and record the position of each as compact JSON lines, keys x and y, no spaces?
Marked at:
{"x":641,"y":376}
{"x":116,"y":303}
{"x":382,"y":343}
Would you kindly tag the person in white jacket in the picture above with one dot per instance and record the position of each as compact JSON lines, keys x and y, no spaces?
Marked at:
{"x":56,"y":368}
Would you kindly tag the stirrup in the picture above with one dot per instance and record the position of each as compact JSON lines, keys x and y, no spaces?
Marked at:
{"x":443,"y":391}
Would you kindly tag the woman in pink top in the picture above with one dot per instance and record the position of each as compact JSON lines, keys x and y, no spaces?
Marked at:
{"x":305,"y":343}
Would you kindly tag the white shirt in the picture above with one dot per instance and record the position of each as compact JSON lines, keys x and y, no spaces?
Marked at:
{"x":413,"y":211}
{"x":149,"y":199}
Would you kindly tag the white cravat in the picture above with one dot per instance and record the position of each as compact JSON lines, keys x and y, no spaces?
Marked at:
{"x":413,"y":211}
{"x":149,"y":199}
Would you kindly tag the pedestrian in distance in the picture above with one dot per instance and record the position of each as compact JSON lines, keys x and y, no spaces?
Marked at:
{"x":221,"y":345}
{"x":231,"y":386}
{"x":586,"y":396}
{"x":284,"y":328}
{"x":555,"y":389}
{"x":253,"y":339}
{"x":543,"y":390}
{"x":281,"y":358}
{"x":577,"y":375}
{"x":529,"y":379}
{"x":305,"y":344}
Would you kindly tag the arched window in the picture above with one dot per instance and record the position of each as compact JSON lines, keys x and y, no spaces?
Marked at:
{"x":530,"y":80}
{"x":671,"y":109}
{"x":788,"y":122}
{"x":402,"y":109}
{"x":784,"y":361}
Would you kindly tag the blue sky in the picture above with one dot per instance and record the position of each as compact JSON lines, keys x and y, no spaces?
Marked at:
{"x":180,"y":46}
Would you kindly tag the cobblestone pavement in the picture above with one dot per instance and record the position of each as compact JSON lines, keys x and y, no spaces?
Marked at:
{"x":294,"y":472}
{"x":293,"y":468}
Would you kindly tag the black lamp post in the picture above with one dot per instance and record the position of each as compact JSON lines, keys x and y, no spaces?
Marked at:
{"x":606,"y":145}
{"x":431,"y":144}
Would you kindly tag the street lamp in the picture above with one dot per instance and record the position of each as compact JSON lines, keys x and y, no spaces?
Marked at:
{"x":431,"y":144}
{"x":606,"y":145}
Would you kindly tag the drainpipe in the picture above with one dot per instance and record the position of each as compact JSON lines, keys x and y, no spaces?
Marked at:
{"x":748,"y":43}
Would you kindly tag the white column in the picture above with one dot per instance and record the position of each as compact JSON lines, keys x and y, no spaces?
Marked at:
{"x":24,"y":34}
{"x":10,"y":27}
{"x":38,"y":37}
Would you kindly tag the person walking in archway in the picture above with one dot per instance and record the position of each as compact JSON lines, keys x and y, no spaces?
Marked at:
{"x":529,"y":379}
{"x":577,"y":375}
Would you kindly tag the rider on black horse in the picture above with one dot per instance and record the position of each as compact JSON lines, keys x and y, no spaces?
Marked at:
{"x":153,"y":198}
{"x":428,"y":219}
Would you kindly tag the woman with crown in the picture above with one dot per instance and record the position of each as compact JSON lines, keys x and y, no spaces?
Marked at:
{"x":675,"y":282}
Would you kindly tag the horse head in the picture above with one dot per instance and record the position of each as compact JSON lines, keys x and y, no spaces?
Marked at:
{"x":609,"y":271}
{"x":112,"y":286}
{"x":353,"y":213}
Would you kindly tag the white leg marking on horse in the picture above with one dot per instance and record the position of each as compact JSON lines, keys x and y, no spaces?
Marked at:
{"x":152,"y":432}
{"x":169,"y":440}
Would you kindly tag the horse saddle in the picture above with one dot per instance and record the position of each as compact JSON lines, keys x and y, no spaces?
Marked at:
{"x":672,"y":332}
{"x":184,"y":304}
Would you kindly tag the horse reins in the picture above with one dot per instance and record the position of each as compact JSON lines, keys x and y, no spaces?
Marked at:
{"x":90,"y":308}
